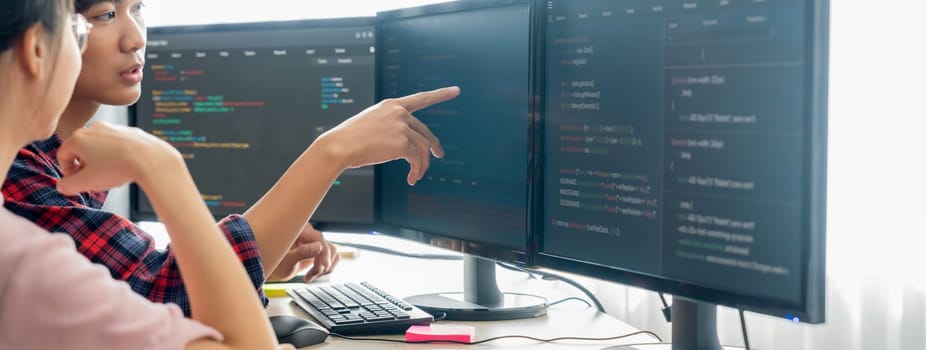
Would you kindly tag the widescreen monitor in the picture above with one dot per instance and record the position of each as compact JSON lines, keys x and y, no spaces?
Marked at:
{"x":683,"y":151}
{"x":242,"y":101}
{"x":474,"y":200}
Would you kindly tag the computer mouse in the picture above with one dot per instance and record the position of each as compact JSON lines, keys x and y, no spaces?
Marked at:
{"x":297,"y":331}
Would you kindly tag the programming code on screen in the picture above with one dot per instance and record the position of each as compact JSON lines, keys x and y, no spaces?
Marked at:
{"x":478,"y":191}
{"x":242,"y":104}
{"x":674,"y":138}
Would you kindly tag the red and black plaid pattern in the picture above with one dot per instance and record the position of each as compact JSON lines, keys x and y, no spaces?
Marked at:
{"x":106,"y":238}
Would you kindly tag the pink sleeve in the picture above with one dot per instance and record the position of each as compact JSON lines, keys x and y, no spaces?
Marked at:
{"x":52,"y":297}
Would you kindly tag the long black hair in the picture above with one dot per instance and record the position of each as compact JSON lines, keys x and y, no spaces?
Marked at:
{"x":17,"y":16}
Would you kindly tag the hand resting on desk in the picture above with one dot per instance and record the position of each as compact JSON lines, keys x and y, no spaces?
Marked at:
{"x":309,"y":250}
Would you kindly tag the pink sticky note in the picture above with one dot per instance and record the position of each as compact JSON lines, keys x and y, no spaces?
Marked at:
{"x":437,"y":332}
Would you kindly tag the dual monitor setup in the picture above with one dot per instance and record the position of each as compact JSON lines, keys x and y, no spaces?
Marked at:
{"x":676,"y":146}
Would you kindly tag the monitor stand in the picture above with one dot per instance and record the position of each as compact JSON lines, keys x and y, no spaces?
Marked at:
{"x":481,"y":299}
{"x":694,"y":327}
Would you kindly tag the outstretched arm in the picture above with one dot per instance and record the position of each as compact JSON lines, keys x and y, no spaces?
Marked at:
{"x":381,"y":133}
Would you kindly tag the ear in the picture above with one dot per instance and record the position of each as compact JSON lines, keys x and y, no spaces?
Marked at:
{"x":32,"y":51}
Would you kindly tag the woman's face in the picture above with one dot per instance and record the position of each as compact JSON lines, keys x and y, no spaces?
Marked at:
{"x":112,"y":64}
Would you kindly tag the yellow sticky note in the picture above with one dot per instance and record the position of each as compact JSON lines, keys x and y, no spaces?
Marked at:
{"x":275,"y":290}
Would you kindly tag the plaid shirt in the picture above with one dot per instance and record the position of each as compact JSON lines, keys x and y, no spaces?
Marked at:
{"x":106,"y":238}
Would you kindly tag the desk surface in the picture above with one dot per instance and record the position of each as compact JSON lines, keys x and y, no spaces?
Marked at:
{"x":403,"y":277}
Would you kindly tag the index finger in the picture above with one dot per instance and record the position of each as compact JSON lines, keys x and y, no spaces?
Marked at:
{"x":426,"y":99}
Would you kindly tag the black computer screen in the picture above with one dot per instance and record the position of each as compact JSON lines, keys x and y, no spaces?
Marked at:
{"x":478,"y":192}
{"x":242,"y":102}
{"x":678,"y":141}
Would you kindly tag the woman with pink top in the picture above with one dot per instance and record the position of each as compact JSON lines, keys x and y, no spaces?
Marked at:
{"x":51,"y":296}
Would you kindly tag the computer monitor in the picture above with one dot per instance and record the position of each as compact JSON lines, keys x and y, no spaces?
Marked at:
{"x":242,"y":101}
{"x":474,"y":200}
{"x":684,"y":152}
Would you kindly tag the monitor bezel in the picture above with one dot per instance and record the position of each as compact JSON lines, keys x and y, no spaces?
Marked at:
{"x":811,"y":307}
{"x":136,"y":214}
{"x":481,"y":249}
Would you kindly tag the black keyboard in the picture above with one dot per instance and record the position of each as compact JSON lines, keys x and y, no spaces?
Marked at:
{"x":358,"y":308}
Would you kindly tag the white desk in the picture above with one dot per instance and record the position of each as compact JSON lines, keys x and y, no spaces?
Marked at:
{"x":407,"y":276}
